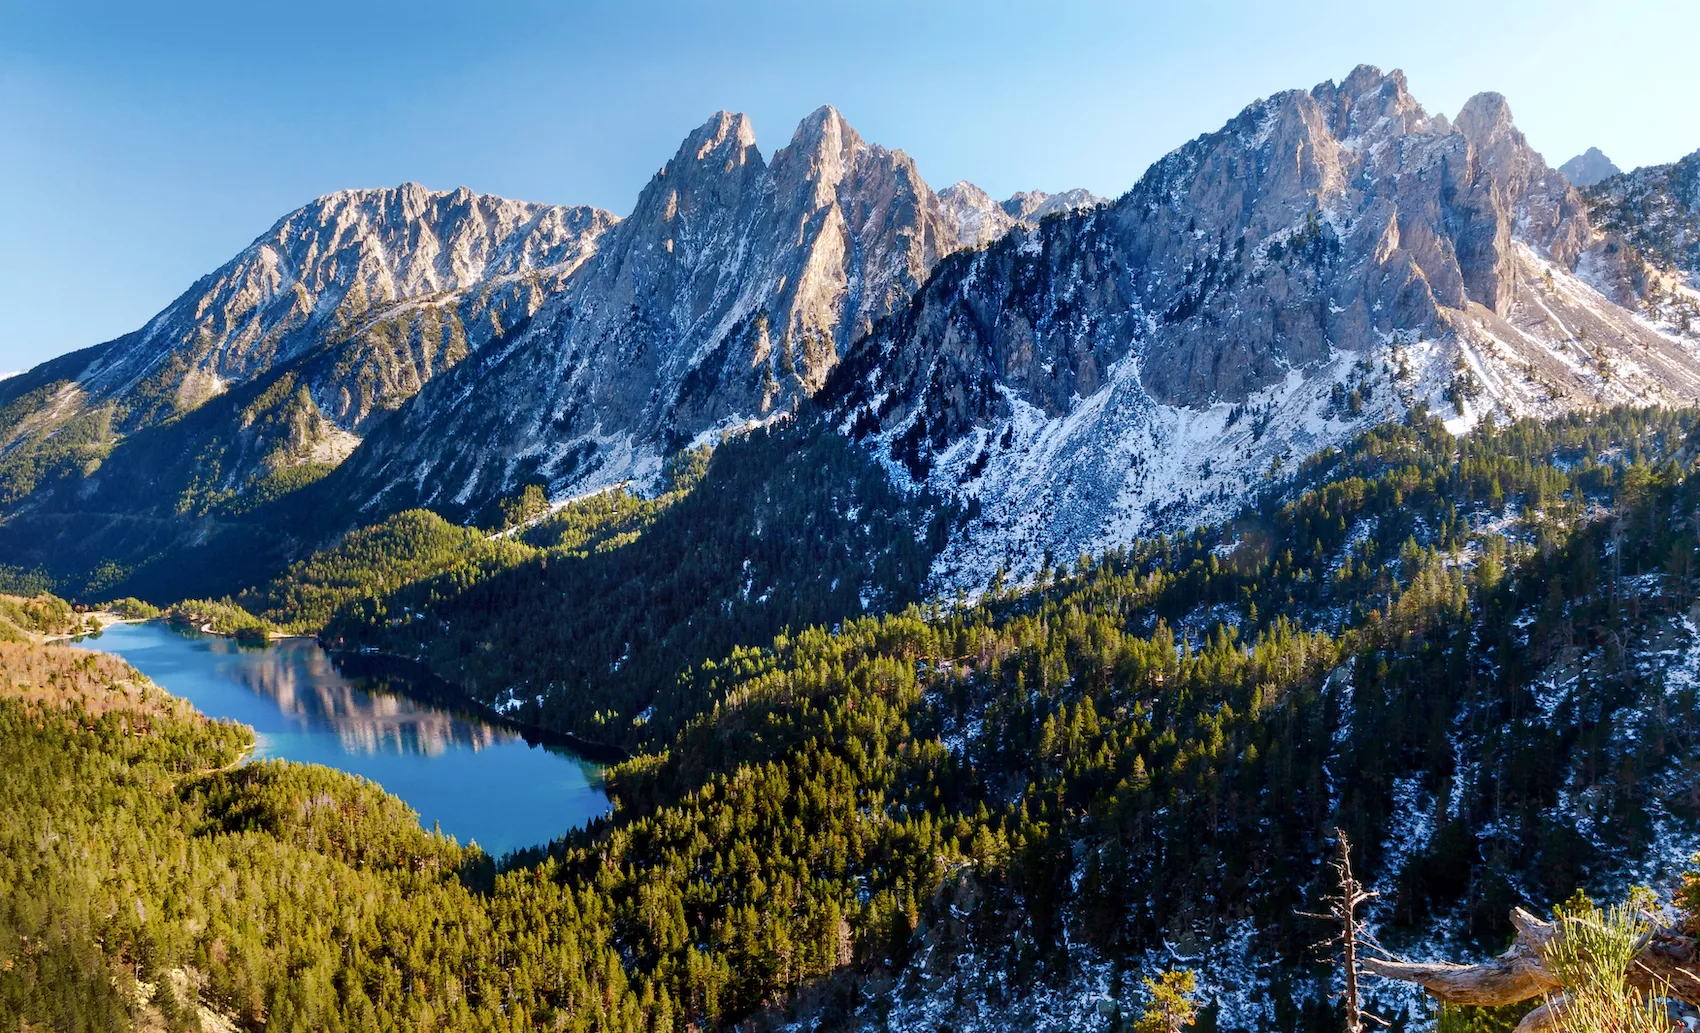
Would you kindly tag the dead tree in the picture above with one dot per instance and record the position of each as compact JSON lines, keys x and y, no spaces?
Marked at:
{"x":1343,"y":905}
{"x":1667,"y":964}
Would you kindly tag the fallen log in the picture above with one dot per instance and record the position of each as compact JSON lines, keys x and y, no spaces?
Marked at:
{"x":1667,"y":965}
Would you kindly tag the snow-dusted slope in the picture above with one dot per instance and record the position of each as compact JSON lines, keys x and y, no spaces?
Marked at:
{"x":724,"y":298}
{"x":1326,"y":260}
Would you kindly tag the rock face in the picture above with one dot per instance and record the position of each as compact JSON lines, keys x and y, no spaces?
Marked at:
{"x":1656,"y":210}
{"x":1327,"y":258}
{"x":725,"y":297}
{"x":1588,"y":168}
{"x":979,"y":220}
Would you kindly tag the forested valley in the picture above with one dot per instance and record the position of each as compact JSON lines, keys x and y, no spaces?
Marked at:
{"x":1475,"y":655}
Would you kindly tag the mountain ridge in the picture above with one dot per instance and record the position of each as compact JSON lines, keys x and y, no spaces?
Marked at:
{"x":1329,"y":259}
{"x":1082,"y":371}
{"x":721,"y":301}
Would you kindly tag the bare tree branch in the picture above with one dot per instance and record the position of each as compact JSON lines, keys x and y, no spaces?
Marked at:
{"x":1667,"y":962}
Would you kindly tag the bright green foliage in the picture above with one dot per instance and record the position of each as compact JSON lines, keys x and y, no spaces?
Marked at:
{"x":1170,"y":1006}
{"x":39,"y":449}
{"x":41,"y":615}
{"x":132,"y":608}
{"x":220,"y":616}
{"x":306,"y":899}
{"x":374,"y":561}
{"x":528,"y":505}
{"x":1591,"y":958}
{"x":1461,"y":1019}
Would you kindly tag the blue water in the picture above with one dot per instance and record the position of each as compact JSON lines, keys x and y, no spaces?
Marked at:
{"x":478,"y":781}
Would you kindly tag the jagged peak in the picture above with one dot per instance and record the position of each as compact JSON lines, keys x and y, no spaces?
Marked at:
{"x":1367,"y":96}
{"x":824,"y":145}
{"x":1484,"y":117}
{"x":1034,"y":205}
{"x":726,"y":134}
{"x":963,"y":191}
{"x":411,"y":196}
{"x":824,"y":127}
{"x":1367,"y":79}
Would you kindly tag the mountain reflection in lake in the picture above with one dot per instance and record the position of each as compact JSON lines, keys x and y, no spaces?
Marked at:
{"x":477,"y":780}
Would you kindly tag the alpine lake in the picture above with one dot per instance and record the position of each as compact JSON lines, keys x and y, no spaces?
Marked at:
{"x":478,"y":781}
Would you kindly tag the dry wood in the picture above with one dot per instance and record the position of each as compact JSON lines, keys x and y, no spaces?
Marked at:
{"x":1343,"y":907}
{"x":1667,"y":964}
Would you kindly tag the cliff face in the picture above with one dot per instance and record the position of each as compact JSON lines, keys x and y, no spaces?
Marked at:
{"x":725,"y":298}
{"x":1327,"y":258}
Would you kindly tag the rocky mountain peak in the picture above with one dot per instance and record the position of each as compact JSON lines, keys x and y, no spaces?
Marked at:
{"x":822,"y":152}
{"x":1588,"y":168}
{"x":335,"y":265}
{"x":1369,"y":102}
{"x":726,"y":137}
{"x":725,"y":298}
{"x":1485,"y":120}
{"x":1033,"y":205}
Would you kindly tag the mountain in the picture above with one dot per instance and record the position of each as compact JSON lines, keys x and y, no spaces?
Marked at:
{"x":1327,"y":260}
{"x":404,"y":281}
{"x":267,"y":372}
{"x":723,"y":300}
{"x":1656,"y":210}
{"x":1588,"y":168}
{"x":1281,"y":567}
{"x":1073,"y":372}
{"x":979,"y":219}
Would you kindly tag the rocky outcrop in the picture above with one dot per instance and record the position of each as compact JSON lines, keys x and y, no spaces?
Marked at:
{"x":1327,"y":258}
{"x":1588,"y":168}
{"x":725,"y":297}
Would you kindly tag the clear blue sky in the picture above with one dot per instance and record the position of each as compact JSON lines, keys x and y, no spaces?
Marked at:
{"x":141,"y":149}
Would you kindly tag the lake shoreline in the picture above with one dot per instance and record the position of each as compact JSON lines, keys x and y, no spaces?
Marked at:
{"x":103,"y":619}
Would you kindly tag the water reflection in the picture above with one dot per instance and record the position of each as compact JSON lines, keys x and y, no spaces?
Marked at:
{"x":480,"y":781}
{"x":368,"y":714}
